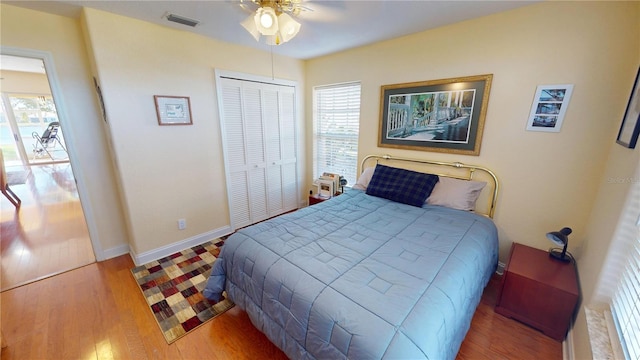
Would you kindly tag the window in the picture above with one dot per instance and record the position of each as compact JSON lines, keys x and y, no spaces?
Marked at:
{"x":625,"y":298}
{"x":336,"y":120}
{"x":625,"y":305}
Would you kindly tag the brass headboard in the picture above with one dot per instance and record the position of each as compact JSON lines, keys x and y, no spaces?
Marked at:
{"x":458,"y":171}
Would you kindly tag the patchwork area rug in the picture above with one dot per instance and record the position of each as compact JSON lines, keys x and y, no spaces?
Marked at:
{"x":173,"y":288}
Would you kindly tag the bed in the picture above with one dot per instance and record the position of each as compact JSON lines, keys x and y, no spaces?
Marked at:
{"x":361,"y":276}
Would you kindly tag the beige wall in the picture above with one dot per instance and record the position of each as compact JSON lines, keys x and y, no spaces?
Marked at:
{"x":549,"y":179}
{"x":169,"y":172}
{"x":61,"y":36}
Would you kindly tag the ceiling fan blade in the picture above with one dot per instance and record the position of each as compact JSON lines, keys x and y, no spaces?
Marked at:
{"x":321,"y":11}
{"x":247,"y":6}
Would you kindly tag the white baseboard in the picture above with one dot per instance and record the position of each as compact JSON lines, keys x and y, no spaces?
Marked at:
{"x":115,"y":251}
{"x":167,"y":250}
{"x":568,"y":350}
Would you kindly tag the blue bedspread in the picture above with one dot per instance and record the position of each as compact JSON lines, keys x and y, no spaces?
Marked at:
{"x":360,"y":277}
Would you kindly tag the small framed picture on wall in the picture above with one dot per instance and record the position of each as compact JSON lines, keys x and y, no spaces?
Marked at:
{"x":173,"y":110}
{"x":549,"y":107}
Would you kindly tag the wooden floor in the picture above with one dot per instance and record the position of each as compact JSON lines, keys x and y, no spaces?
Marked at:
{"x":98,"y":312}
{"x":493,"y":336}
{"x":48,"y":235}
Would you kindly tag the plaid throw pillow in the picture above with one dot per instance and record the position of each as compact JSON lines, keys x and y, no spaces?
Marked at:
{"x":400,"y":185}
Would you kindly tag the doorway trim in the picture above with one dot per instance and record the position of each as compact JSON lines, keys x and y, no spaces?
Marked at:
{"x":58,"y":99}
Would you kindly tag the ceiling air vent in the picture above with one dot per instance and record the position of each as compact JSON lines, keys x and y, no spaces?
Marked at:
{"x":182,"y":20}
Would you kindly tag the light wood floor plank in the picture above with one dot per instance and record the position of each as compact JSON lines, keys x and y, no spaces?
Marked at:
{"x":48,"y":235}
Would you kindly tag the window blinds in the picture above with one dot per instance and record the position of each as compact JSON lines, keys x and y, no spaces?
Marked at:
{"x":625,"y":304}
{"x":336,"y":116}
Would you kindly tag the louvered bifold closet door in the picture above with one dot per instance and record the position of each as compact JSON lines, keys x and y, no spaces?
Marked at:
{"x":280,"y":133}
{"x":254,"y":130}
{"x":274,"y":153}
{"x":260,"y":149}
{"x":244,"y":150}
{"x":233,"y":126}
{"x":289,"y":148}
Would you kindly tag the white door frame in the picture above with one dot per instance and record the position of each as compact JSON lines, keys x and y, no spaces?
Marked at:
{"x":70,"y":143}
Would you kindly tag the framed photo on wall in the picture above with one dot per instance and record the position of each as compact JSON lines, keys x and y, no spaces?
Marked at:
{"x":630,"y":127}
{"x":549,"y":107}
{"x":444,"y":115}
{"x":173,"y":110}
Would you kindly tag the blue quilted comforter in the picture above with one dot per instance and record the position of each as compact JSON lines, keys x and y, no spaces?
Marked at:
{"x":360,"y":277}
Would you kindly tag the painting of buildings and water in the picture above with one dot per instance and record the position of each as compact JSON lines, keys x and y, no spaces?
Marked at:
{"x":441,"y":116}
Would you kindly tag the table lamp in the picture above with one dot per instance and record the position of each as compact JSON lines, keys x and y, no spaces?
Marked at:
{"x":560,"y":238}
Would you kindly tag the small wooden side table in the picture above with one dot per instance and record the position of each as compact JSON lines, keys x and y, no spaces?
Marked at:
{"x":538,"y":291}
{"x":316,"y":199}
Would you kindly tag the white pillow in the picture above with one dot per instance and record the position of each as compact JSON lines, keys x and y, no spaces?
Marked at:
{"x":455,"y":193}
{"x":364,"y":179}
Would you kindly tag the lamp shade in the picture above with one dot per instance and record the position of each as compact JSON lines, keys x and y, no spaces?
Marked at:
{"x":266,"y":20}
{"x":288,"y":27}
{"x":250,"y":25}
{"x":560,"y":238}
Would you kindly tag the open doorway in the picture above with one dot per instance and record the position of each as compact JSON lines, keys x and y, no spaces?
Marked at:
{"x":48,"y":234}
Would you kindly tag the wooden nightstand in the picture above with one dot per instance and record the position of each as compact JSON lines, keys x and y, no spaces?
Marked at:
{"x":315,"y":199}
{"x":538,"y":291}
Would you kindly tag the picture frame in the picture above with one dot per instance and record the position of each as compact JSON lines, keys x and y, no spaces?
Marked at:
{"x":549,"y":107}
{"x":445,"y":115}
{"x":630,"y":126}
{"x":325,"y":188}
{"x":173,"y":110}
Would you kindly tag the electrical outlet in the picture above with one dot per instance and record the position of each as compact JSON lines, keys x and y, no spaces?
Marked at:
{"x":182,"y":224}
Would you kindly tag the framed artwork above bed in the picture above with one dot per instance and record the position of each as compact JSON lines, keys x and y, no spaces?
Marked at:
{"x":445,"y":115}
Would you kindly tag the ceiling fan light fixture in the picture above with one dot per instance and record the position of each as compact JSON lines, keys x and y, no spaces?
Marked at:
{"x":250,"y":25}
{"x":289,"y":28}
{"x":273,"y":39}
{"x":273,"y":20}
{"x":266,"y":21}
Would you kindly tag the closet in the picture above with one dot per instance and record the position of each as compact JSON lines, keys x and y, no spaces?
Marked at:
{"x":258,"y":123}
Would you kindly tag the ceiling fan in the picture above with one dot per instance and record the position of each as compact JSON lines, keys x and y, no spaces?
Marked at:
{"x":273,"y":19}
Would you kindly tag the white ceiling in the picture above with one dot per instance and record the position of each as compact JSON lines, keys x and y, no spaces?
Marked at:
{"x":330,"y":26}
